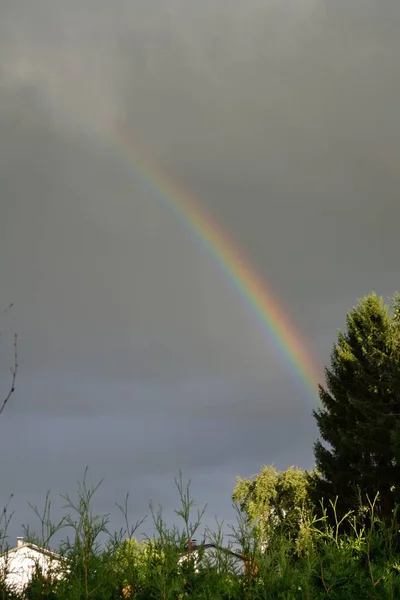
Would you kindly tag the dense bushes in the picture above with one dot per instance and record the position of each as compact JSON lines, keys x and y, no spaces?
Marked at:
{"x":352,"y":558}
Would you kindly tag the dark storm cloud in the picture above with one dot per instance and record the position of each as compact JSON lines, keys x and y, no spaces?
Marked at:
{"x":136,"y":356}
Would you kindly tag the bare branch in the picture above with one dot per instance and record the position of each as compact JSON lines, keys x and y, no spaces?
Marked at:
{"x":13,"y":370}
{"x":8,"y":307}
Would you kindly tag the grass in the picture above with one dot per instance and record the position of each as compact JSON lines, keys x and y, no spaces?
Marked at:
{"x":357,"y":557}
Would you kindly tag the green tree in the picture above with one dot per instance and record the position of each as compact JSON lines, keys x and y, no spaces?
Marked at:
{"x":359,"y":417}
{"x":274,"y":501}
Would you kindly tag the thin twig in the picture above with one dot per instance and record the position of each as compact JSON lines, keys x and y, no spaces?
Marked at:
{"x":14,"y":374}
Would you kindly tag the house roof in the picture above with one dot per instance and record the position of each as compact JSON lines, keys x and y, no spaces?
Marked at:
{"x":33,"y":547}
{"x":246,"y":561}
{"x":193,"y":547}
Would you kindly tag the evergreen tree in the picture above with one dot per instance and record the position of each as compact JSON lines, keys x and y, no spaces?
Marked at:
{"x":360,"y":413}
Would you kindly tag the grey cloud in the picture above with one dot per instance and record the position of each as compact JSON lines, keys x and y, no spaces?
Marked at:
{"x":137,"y":356}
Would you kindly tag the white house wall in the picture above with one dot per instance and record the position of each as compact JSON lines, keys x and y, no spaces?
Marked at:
{"x":20,"y":565}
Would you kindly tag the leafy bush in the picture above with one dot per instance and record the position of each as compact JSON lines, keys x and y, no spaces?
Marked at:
{"x":354,"y":557}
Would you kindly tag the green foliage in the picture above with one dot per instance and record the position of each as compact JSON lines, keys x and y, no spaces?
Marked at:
{"x":360,"y":411}
{"x":275,"y":501}
{"x":349,"y":557}
{"x":132,"y":562}
{"x":41,"y":587}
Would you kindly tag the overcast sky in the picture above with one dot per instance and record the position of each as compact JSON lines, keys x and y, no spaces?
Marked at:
{"x":136,"y":357}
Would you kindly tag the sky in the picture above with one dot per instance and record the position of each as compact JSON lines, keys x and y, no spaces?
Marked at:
{"x":137,"y":355}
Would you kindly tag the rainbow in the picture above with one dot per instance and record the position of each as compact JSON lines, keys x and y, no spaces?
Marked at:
{"x":225,"y":253}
